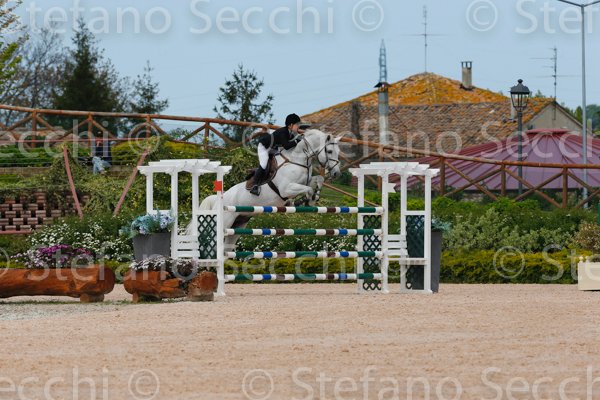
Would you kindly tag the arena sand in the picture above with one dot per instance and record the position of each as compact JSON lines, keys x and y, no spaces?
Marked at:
{"x":320,"y":341}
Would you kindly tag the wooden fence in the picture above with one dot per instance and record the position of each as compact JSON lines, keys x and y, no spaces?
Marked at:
{"x":33,"y":123}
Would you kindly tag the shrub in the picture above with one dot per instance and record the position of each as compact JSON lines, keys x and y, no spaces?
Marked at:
{"x":588,"y":237}
{"x":493,"y":267}
{"x":98,"y":234}
{"x":494,"y":230}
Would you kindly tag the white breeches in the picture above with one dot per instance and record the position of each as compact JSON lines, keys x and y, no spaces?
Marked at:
{"x":263,"y":156}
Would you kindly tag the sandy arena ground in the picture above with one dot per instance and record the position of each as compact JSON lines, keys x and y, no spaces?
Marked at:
{"x":317,"y":341}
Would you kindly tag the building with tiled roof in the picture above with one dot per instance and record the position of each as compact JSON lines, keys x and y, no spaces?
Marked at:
{"x":432,"y":111}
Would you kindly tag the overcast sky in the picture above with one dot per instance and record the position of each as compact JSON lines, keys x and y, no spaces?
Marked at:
{"x":308,"y":64}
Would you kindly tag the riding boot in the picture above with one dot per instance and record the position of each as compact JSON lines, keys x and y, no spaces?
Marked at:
{"x":259,"y":175}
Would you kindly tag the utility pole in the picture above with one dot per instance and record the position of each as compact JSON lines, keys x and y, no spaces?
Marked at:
{"x":582,"y":7}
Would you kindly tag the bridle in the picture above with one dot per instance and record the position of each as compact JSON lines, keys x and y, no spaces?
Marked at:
{"x":311,"y":154}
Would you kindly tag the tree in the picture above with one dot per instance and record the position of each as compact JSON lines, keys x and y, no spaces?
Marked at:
{"x":593,"y":113}
{"x":9,"y":46}
{"x":37,"y":75}
{"x":239,"y":100}
{"x":90,"y":82}
{"x":146,"y":94}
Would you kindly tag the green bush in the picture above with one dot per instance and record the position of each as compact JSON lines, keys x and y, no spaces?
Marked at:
{"x":494,"y":230}
{"x":588,"y":237}
{"x":509,"y":267}
{"x":507,"y":223}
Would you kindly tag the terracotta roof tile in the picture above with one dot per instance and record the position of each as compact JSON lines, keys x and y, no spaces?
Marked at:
{"x":426,"y":107}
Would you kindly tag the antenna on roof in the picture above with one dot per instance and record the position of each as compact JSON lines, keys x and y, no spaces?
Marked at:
{"x":426,"y":35}
{"x":554,"y":67}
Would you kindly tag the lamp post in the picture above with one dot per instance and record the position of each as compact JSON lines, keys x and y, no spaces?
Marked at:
{"x":582,"y":7}
{"x":519,"y":96}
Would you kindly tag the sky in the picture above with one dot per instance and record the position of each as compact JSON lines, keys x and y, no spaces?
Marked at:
{"x":316,"y":53}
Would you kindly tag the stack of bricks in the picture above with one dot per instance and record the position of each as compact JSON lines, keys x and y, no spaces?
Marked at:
{"x":30,"y":212}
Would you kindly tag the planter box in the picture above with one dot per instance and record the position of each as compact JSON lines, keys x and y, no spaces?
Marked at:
{"x":147,"y":246}
{"x":88,"y":284}
{"x":588,"y":274}
{"x":158,"y":285}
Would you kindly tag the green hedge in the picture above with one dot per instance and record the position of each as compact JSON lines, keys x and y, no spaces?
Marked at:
{"x":501,"y":267}
{"x":476,"y":267}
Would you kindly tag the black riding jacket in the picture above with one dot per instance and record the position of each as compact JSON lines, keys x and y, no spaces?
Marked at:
{"x":282,"y":137}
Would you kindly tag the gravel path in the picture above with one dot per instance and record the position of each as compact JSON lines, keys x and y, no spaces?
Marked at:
{"x":307,"y":341}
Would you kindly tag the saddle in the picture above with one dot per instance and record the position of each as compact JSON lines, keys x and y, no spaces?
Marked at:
{"x":270,"y":174}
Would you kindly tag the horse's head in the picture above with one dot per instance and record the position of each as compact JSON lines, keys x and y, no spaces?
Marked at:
{"x":326,"y":149}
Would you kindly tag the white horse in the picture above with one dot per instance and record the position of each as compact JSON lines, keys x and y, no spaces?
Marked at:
{"x":294,"y":178}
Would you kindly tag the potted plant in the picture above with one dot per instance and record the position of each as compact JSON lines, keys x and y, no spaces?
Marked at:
{"x":160,"y":278}
{"x":58,"y":270}
{"x":151,"y":235}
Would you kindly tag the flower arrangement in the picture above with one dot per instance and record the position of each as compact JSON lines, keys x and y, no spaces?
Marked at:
{"x":57,"y":256}
{"x":185,"y":269}
{"x":150,"y":223}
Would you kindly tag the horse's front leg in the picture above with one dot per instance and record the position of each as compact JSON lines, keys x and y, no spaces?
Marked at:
{"x":295,"y":189}
{"x":317,"y":184}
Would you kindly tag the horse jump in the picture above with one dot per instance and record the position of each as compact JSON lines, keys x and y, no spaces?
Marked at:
{"x":376,"y":247}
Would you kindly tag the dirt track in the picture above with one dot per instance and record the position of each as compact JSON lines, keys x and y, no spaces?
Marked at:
{"x":311,"y":341}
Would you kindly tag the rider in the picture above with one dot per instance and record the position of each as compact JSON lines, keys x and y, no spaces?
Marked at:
{"x":287,"y":137}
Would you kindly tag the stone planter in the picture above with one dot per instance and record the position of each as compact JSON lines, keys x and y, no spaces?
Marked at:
{"x":588,"y":274}
{"x":158,"y":285}
{"x":89,"y":284}
{"x":155,"y":244}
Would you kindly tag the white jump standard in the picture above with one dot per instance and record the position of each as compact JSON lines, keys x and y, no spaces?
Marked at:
{"x":376,"y":248}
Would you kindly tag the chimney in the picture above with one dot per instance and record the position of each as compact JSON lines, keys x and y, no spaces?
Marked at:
{"x":467,"y":75}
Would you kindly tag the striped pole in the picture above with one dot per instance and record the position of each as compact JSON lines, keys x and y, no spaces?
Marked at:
{"x":303,"y":232}
{"x":304,"y":277}
{"x":306,"y":210}
{"x":299,"y":254}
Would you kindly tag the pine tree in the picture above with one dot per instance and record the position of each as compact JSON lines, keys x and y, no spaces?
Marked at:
{"x":146,"y":94}
{"x":90,"y":83}
{"x":239,"y":100}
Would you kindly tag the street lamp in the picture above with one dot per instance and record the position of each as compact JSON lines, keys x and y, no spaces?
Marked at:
{"x":582,"y":7}
{"x":519,"y":96}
